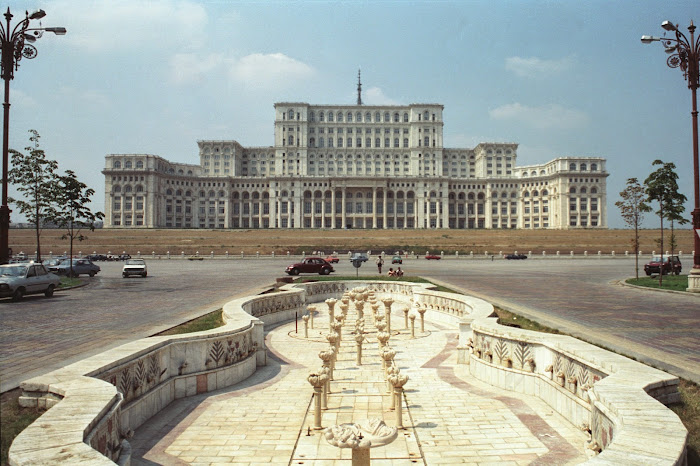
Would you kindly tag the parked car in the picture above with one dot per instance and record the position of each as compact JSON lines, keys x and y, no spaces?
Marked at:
{"x":310,"y":265}
{"x":396,"y":260}
{"x":332,"y":259}
{"x":359,"y":256}
{"x":135,"y":267}
{"x":672,"y":264}
{"x":515,"y":256}
{"x":80,"y":267}
{"x":433,"y":257}
{"x":97,"y":257}
{"x":17,"y":280}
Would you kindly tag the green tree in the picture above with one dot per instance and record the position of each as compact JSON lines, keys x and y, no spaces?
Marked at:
{"x":662,"y":187}
{"x":72,"y":211}
{"x":632,"y":208}
{"x":35,"y":177}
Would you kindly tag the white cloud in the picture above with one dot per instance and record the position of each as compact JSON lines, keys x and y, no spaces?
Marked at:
{"x":274,"y":70}
{"x":85,"y":97}
{"x":546,"y":117}
{"x":97,"y":26}
{"x":533,"y":67}
{"x":20,"y":99}
{"x":375,"y":96}
{"x":190,"y":67}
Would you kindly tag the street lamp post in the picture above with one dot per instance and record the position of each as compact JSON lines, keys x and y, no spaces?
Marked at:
{"x":16,"y":43}
{"x":684,"y":55}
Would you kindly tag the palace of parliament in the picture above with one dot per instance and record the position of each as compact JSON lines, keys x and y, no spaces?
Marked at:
{"x":354,"y":166}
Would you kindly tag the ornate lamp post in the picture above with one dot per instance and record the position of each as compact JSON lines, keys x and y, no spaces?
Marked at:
{"x":16,"y":43}
{"x":684,"y":55}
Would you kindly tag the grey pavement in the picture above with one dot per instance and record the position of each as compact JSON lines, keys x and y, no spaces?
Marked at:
{"x":577,"y":296}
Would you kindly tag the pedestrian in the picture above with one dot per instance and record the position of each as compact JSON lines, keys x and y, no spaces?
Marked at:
{"x":379,"y":263}
{"x":399,"y":272}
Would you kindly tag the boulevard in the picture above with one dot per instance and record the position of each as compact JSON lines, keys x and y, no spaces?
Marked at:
{"x":577,"y":296}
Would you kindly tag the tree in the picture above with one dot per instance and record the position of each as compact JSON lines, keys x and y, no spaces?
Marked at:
{"x":632,"y":208}
{"x":661,"y":186}
{"x":72,"y":211}
{"x":35,"y":177}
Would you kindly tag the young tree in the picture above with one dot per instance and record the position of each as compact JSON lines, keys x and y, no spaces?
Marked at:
{"x":72,"y":211}
{"x":674,"y":213}
{"x":661,"y":186}
{"x":35,"y":177}
{"x":632,"y":208}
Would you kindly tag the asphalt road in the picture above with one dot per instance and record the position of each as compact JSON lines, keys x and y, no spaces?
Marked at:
{"x":577,"y":296}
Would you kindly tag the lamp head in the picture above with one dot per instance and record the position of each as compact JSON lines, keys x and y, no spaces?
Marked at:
{"x":59,"y":31}
{"x":668,"y":25}
{"x":649,"y":39}
{"x":38,"y":14}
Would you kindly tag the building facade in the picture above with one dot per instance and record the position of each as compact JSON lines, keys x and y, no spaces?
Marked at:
{"x":354,"y":166}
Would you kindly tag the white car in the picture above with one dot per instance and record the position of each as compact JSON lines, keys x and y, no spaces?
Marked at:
{"x":135,"y":267}
{"x":17,"y":280}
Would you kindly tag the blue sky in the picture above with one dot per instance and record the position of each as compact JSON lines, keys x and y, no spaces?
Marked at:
{"x":561,"y":78}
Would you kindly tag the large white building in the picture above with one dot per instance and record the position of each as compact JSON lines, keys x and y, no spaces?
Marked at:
{"x":354,"y":166}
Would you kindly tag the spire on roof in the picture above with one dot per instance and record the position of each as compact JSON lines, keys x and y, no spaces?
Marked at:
{"x":359,"y":88}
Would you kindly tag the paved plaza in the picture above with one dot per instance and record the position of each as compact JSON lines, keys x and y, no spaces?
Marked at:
{"x":449,"y":417}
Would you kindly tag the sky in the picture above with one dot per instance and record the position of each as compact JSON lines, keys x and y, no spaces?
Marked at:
{"x":560,"y":78}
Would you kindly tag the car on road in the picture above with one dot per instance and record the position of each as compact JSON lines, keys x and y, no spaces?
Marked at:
{"x":17,"y":280}
{"x":332,"y":259}
{"x":433,"y":257}
{"x":396,"y":260}
{"x":135,"y":267}
{"x":359,"y":257}
{"x":515,"y":256}
{"x":310,"y":265}
{"x":671,"y":264}
{"x":80,"y":267}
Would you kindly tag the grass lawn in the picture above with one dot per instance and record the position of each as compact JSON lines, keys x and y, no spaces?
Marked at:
{"x":669,"y":282}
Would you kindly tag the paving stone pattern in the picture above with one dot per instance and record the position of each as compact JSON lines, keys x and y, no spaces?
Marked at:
{"x":449,"y":417}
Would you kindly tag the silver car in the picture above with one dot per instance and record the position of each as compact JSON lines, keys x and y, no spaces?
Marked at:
{"x":17,"y":280}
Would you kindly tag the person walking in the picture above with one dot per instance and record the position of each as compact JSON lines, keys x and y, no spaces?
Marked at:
{"x":379,"y":263}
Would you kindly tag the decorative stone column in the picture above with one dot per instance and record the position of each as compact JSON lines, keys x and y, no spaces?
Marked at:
{"x":337,"y":327}
{"x":326,"y":387}
{"x":405,"y":318}
{"x":382,"y":337}
{"x":412,"y":316}
{"x":332,"y":339}
{"x":360,"y":305}
{"x":387,"y":304}
{"x":387,"y":354}
{"x":306,"y":326}
{"x":397,"y":381}
{"x":331,"y":302}
{"x":327,"y":358}
{"x":421,"y":311}
{"x":317,"y":381}
{"x":359,"y":338}
{"x":361,"y":436}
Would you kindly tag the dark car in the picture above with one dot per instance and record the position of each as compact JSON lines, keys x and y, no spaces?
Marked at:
{"x":310,"y":265}
{"x":672,"y":264}
{"x":396,"y":260}
{"x":515,"y":256}
{"x":433,"y":257}
{"x":80,"y":267}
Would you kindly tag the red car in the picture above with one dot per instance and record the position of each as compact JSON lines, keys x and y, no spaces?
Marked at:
{"x":672,"y":264}
{"x":432,"y":257}
{"x":310,"y":265}
{"x":332,"y":259}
